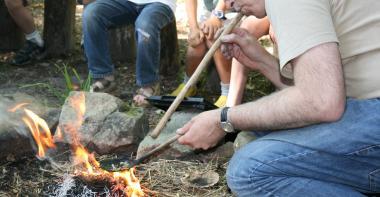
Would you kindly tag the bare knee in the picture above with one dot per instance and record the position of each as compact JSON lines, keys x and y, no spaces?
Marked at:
{"x":256,"y":27}
{"x":198,"y":51}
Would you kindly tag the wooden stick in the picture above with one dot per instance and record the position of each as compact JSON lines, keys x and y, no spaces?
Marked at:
{"x":142,"y":158}
{"x":194,"y":78}
{"x":160,"y":147}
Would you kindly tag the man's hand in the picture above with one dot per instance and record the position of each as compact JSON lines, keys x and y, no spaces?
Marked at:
{"x":211,"y":26}
{"x":244,"y":47}
{"x":203,"y":131}
{"x":195,"y":37}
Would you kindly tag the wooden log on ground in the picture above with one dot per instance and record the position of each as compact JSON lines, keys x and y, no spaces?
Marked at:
{"x":11,"y":37}
{"x":59,"y":24}
{"x":123,"y":47}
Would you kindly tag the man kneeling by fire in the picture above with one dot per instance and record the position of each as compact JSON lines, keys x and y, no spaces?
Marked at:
{"x":320,"y":135}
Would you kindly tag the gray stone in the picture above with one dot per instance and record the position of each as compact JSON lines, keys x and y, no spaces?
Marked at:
{"x":176,"y":150}
{"x":15,"y":137}
{"x":224,"y":151}
{"x":243,"y":138}
{"x":121,"y":131}
{"x":97,"y":107}
{"x":105,"y":128}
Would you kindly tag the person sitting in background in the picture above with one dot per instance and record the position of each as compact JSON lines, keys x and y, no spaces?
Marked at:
{"x":201,"y":37}
{"x":148,"y":18}
{"x":34,"y":45}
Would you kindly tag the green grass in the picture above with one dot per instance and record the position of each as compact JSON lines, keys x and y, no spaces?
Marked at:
{"x":69,"y":74}
{"x":73,"y":82}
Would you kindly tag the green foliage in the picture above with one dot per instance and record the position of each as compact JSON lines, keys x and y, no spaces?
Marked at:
{"x":131,"y":110}
{"x":50,"y":88}
{"x":72,"y":80}
{"x":81,"y":85}
{"x":258,"y":86}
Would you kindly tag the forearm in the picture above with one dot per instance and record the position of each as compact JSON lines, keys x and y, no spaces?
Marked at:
{"x":269,"y":67}
{"x":284,"y":109}
{"x":191,"y":10}
{"x":220,"y":5}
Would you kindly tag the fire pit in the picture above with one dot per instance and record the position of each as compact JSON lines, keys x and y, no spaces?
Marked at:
{"x":86,"y":167}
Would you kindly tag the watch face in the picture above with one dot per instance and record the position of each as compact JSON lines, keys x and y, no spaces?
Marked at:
{"x":219,"y":14}
{"x":227,"y":127}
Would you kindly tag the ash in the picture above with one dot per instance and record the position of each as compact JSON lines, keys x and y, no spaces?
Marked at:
{"x":70,"y":186}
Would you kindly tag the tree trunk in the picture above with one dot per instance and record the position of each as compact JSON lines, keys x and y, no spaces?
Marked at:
{"x":11,"y":37}
{"x":169,"y":64}
{"x":59,"y":26}
{"x":122,"y":44}
{"x":123,"y":47}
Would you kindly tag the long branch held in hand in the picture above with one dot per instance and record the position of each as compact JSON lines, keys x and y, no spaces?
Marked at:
{"x":194,"y":78}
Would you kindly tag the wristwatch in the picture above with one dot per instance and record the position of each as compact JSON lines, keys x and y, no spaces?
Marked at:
{"x":224,"y":123}
{"x":219,"y":14}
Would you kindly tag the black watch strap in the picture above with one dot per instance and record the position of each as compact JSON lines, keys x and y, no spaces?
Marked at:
{"x":223,"y":114}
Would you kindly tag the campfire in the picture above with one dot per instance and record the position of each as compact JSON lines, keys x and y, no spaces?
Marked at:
{"x":86,"y":167}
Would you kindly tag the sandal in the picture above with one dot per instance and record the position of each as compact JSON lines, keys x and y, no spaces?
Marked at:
{"x":106,"y":84}
{"x":145,"y":92}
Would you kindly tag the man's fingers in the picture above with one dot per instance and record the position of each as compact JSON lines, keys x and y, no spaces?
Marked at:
{"x":240,"y":31}
{"x":182,"y":131}
{"x":229,"y":38}
{"x":238,"y":36}
{"x":225,"y":52}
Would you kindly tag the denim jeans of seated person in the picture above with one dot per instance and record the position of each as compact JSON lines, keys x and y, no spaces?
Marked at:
{"x":335,"y":159}
{"x":148,"y":20}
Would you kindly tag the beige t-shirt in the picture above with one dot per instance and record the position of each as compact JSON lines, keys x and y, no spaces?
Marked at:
{"x":300,"y":25}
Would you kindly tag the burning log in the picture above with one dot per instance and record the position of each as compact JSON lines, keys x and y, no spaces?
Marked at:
{"x":90,"y":171}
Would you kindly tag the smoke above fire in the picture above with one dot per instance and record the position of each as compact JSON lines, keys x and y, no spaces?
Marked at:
{"x":10,"y":121}
{"x":4,"y":113}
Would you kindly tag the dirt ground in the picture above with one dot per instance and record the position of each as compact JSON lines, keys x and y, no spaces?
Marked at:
{"x":44,"y":79}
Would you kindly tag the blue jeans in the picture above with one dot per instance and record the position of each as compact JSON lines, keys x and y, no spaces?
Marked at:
{"x":148,"y":20}
{"x":334,"y":159}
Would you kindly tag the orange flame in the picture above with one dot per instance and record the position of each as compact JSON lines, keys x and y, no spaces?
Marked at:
{"x":43,"y":138}
{"x":58,"y":134}
{"x":125,"y":181}
{"x":128,"y":177}
{"x":15,"y":108}
{"x":85,"y":163}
